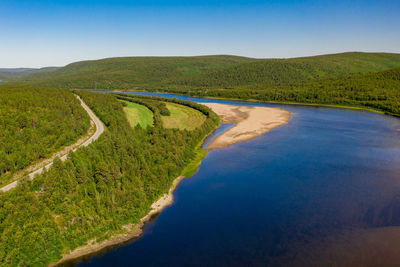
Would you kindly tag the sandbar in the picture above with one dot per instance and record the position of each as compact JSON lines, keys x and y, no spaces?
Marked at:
{"x":250,"y":122}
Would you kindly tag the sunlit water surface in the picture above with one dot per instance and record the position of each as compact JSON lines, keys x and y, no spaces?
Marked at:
{"x":322,"y":190}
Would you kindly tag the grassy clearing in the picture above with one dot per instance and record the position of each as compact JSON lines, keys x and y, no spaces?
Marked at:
{"x":182,"y":117}
{"x":138,"y":114}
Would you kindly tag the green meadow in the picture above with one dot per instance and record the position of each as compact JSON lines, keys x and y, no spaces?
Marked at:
{"x":138,"y":114}
{"x":182,"y":117}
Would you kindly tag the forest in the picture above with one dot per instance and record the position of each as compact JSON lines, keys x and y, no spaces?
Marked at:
{"x":114,"y":181}
{"x":365,"y":80}
{"x":378,"y":91}
{"x":34,"y":123}
{"x":101,"y":187}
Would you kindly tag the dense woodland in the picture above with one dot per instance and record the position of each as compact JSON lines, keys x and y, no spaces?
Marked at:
{"x":131,"y":72}
{"x":209,"y":71}
{"x":365,"y":80}
{"x":378,"y":91}
{"x":34,"y":123}
{"x":99,"y":188}
{"x":114,"y":181}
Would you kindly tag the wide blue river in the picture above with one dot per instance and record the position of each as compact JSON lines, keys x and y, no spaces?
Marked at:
{"x":323,"y":190}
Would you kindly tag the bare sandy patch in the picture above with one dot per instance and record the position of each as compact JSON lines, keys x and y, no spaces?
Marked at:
{"x":250,"y":122}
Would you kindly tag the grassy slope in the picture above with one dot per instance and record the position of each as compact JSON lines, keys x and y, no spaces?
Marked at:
{"x":193,"y":166}
{"x":138,"y":114}
{"x":182,"y":117}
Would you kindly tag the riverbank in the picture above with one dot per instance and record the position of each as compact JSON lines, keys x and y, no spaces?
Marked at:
{"x":131,"y":230}
{"x":250,"y":122}
{"x":343,"y":106}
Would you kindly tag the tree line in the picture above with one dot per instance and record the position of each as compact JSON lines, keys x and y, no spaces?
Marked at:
{"x":379,"y":91}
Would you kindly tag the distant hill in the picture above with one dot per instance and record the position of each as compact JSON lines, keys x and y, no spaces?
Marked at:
{"x":347,"y":79}
{"x":132,"y":72}
{"x":210,"y":71}
{"x":376,"y":90}
{"x":10,"y":73}
{"x":285,"y":72}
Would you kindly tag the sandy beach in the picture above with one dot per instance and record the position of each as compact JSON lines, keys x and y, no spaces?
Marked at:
{"x":250,"y":122}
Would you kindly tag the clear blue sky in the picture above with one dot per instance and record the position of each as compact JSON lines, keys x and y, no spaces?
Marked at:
{"x":36,"y":33}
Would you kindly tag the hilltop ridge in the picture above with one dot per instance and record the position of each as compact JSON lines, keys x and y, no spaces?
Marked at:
{"x":356,"y":79}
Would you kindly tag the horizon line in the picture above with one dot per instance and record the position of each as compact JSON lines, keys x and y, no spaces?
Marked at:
{"x":189,"y":56}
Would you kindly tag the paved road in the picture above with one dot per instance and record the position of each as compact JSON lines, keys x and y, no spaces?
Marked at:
{"x":99,"y":131}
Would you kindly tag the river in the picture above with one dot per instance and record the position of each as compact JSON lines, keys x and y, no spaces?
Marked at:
{"x":323,"y":190}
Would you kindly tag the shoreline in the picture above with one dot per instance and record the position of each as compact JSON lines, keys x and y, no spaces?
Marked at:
{"x":240,"y":115}
{"x":354,"y":107}
{"x":132,"y":230}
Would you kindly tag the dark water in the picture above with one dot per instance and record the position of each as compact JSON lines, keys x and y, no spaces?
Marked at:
{"x":323,"y":190}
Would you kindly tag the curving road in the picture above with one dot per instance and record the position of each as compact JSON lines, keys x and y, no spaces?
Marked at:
{"x":98,"y":132}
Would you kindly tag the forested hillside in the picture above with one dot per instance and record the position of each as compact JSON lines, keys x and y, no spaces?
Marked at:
{"x":34,"y":123}
{"x":11,"y":73}
{"x":100,"y":188}
{"x":131,"y":72}
{"x":278,"y":72}
{"x":350,"y":79}
{"x":115,"y":180}
{"x":209,"y":71}
{"x":378,"y":91}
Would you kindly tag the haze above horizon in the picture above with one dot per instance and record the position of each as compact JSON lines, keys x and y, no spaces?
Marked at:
{"x":55,"y":33}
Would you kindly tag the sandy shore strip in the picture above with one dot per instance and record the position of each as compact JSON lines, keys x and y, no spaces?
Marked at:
{"x":131,"y":230}
{"x":250,"y":122}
